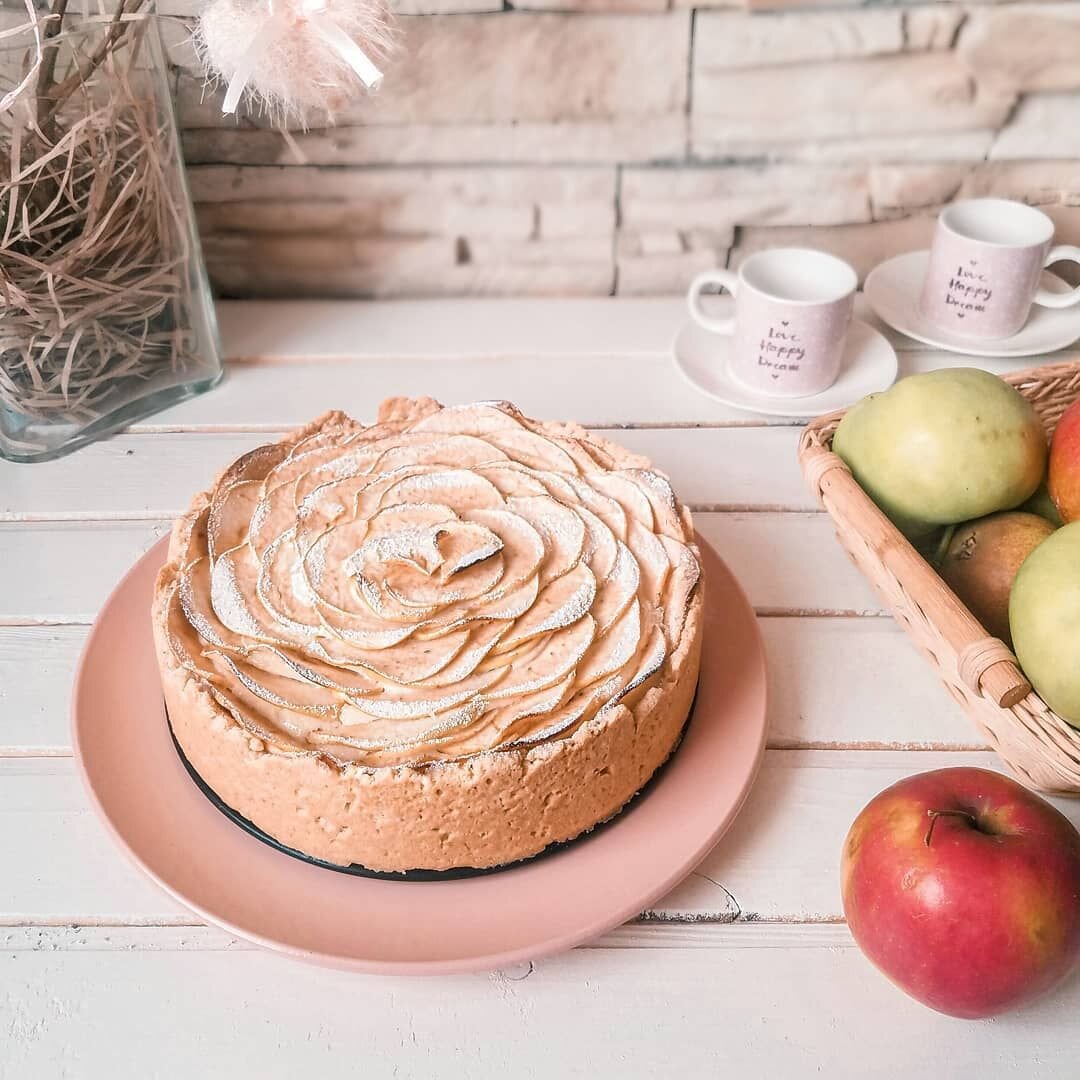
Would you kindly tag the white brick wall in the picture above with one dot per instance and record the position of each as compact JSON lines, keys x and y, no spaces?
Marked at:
{"x":599,"y":146}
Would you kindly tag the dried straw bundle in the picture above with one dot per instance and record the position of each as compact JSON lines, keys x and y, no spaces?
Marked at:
{"x":94,"y":247}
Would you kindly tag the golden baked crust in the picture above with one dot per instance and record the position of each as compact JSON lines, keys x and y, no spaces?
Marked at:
{"x":446,"y":640}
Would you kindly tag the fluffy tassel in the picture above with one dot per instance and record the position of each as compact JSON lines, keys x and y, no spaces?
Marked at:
{"x":294,"y":59}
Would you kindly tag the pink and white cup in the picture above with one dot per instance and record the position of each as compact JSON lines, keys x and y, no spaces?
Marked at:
{"x":792,"y":310}
{"x":985,"y":262}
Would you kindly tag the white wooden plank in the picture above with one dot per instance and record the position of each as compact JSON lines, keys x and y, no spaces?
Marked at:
{"x":151,"y":476}
{"x":79,"y":875}
{"x":779,"y":862}
{"x":260,"y":329}
{"x":62,"y":572}
{"x":601,"y":390}
{"x":789,"y":563}
{"x":129,"y":476}
{"x":37,"y":664}
{"x":774,"y":1004}
{"x":605,"y":363}
{"x":301,"y":329}
{"x":273,"y":396}
{"x":856,"y":684}
{"x":59,"y":572}
{"x":833,"y":682}
{"x":602,"y":362}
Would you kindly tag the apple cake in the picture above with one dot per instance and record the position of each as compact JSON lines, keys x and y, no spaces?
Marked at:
{"x":444,"y":640}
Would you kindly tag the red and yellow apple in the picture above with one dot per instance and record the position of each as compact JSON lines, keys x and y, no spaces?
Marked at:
{"x":1063,"y":477}
{"x":963,"y":887}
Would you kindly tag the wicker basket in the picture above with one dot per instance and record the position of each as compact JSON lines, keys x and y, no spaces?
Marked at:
{"x":977,"y":669}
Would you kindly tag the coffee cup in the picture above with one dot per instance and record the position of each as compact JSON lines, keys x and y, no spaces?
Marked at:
{"x":985,"y":262}
{"x":790,"y":320}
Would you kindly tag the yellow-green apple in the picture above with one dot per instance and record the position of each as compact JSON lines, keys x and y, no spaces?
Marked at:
{"x":983,"y":558}
{"x":1063,"y":479}
{"x":943,"y":447}
{"x":963,"y":887}
{"x":1044,"y":615}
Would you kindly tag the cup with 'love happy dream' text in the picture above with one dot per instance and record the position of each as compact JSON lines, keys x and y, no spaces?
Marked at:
{"x":985,"y":262}
{"x":792,"y":310}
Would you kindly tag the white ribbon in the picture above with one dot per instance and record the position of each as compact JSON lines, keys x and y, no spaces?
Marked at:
{"x":347,"y":49}
{"x":239,"y":79}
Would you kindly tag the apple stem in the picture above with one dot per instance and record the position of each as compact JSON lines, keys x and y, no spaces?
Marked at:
{"x":933,"y":815}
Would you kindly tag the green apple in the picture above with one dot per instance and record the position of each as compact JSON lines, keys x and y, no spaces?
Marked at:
{"x":944,"y":447}
{"x":1044,"y":614}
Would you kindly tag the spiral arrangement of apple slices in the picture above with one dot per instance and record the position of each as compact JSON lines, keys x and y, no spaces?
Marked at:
{"x":415,"y":591}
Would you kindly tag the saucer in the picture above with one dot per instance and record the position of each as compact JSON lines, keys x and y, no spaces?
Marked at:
{"x":868,"y":365}
{"x":892,"y":290}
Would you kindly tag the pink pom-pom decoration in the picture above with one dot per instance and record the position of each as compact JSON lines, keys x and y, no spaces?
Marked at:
{"x":294,"y":58}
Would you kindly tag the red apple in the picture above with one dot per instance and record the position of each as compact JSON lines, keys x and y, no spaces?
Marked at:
{"x":963,"y":887}
{"x":1063,"y":478}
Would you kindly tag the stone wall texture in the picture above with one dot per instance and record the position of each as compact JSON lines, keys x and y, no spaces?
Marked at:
{"x":594,"y":147}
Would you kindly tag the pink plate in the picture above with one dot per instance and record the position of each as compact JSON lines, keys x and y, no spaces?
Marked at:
{"x":196,"y":854}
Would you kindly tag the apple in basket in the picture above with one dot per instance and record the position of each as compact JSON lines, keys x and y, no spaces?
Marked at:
{"x":963,"y":887}
{"x":983,"y":558}
{"x":944,"y":447}
{"x":1063,"y":480}
{"x":1044,"y":616}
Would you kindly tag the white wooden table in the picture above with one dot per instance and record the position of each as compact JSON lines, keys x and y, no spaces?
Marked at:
{"x":746,"y":967}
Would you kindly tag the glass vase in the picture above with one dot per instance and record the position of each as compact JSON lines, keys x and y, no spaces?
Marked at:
{"x":106,"y":314}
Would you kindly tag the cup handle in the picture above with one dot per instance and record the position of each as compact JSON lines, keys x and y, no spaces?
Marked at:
{"x":1060,"y":299}
{"x":726,"y":279}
